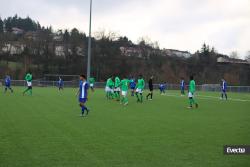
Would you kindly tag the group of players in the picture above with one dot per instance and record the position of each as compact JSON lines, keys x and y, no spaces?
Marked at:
{"x":117,"y":89}
{"x":28,"y":79}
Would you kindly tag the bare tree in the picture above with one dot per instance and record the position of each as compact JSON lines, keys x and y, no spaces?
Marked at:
{"x":247,"y":58}
{"x":106,"y":34}
{"x":234,"y":55}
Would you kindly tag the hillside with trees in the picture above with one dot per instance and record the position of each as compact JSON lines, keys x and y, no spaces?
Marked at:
{"x":25,"y":45}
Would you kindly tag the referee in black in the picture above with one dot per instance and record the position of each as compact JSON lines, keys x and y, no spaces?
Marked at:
{"x":151,"y":88}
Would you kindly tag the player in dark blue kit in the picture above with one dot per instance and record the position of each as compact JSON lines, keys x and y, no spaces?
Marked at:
{"x":60,"y":84}
{"x":83,"y":94}
{"x":132,"y":86}
{"x":8,"y":84}
{"x":162,"y":88}
{"x":223,"y":89}
{"x":182,"y":87}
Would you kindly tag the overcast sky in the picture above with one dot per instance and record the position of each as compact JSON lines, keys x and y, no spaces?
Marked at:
{"x":175,"y":24}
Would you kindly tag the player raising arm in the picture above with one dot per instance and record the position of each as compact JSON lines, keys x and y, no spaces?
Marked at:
{"x":28,"y":79}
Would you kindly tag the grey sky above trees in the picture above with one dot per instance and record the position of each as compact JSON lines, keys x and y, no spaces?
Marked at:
{"x":176,"y":24}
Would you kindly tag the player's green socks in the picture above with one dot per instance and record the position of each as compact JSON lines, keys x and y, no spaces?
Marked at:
{"x":141,"y":98}
{"x":126,"y":100}
{"x":25,"y":91}
{"x":190,"y":102}
{"x":109,"y":95}
{"x":194,"y":102}
{"x":117,"y":96}
{"x":137,"y":97}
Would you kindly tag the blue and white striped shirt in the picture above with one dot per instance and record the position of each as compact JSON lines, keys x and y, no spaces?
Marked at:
{"x":182,"y":84}
{"x":84,"y":86}
{"x":224,"y":85}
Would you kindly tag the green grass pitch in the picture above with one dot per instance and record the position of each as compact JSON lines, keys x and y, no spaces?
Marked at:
{"x":47,"y":130}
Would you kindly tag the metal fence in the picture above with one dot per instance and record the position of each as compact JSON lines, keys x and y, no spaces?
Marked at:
{"x":75,"y":83}
{"x":213,"y":88}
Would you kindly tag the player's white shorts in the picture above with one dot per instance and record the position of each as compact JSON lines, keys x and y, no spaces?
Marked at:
{"x":124,"y":93}
{"x":190,"y":95}
{"x":29,"y":83}
{"x":91,"y":85}
{"x":107,"y":89}
{"x":117,"y":89}
{"x":139,"y":90}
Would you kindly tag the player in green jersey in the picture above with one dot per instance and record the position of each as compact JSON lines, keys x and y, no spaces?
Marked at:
{"x":191,"y":93}
{"x":124,"y":87}
{"x":92,"y":83}
{"x":139,"y":88}
{"x":117,"y":89}
{"x":109,"y":88}
{"x":28,"y":79}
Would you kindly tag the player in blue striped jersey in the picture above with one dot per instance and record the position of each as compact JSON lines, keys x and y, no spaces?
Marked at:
{"x":7,"y":82}
{"x":182,"y":87}
{"x":60,"y":84}
{"x":132,"y":86}
{"x":162,"y":88}
{"x":83,"y":94}
{"x":223,"y":89}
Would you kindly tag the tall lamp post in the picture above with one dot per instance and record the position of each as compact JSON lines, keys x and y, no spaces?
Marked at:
{"x":89,"y":43}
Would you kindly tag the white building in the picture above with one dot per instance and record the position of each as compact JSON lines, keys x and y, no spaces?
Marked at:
{"x":59,"y":51}
{"x":232,"y":61}
{"x":17,"y":31}
{"x":13,"y":49}
{"x":178,"y":53}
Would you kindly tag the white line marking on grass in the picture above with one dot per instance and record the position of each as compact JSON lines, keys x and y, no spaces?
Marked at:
{"x":232,"y":99}
{"x":207,"y":97}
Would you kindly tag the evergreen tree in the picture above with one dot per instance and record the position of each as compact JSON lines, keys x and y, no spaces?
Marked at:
{"x":1,"y":25}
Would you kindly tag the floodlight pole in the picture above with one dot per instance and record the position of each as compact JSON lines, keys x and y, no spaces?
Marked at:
{"x":89,"y":43}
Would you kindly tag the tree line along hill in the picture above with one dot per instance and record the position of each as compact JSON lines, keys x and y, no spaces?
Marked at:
{"x":25,"y":45}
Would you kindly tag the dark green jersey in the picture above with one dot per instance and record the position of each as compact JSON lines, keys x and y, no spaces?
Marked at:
{"x":117,"y":81}
{"x":110,"y":83}
{"x":140,"y":84}
{"x":91,"y":80}
{"x":125,"y":84}
{"x":28,"y":77}
{"x":192,"y":86}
